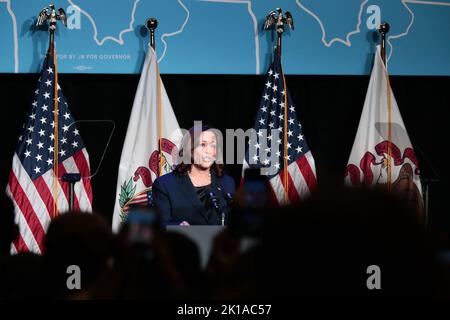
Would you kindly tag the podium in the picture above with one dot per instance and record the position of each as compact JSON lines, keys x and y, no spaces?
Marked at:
{"x":203,"y":236}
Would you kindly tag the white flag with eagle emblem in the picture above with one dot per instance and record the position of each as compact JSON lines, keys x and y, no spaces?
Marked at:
{"x":152,"y":117}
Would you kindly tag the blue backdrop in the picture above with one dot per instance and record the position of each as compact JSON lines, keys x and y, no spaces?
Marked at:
{"x":225,"y":36}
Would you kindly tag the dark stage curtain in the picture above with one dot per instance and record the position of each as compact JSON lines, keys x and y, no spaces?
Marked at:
{"x":329,"y":108}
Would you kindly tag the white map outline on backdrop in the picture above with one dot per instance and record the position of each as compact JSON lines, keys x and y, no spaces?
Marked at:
{"x":175,"y":32}
{"x":130,"y":28}
{"x":404,"y":2}
{"x":346,"y":42}
{"x":435,"y":3}
{"x":16,"y":38}
{"x":400,"y":35}
{"x":120,"y":41}
{"x":100,"y":43}
{"x":255,"y":25}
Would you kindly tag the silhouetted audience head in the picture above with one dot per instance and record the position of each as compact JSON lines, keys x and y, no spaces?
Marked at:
{"x":186,"y":259}
{"x":323,"y":247}
{"x":80,"y":239}
{"x":8,"y":228}
{"x":149,"y":264}
{"x":22,"y":277}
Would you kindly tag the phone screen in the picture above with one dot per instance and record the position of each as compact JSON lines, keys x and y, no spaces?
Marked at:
{"x":142,"y":225}
{"x":255,"y":188}
{"x":247,"y":220}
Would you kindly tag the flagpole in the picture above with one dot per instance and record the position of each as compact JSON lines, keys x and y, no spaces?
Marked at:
{"x":279,"y":37}
{"x":286,"y":162}
{"x":152,"y":24}
{"x":280,"y":30}
{"x":384,"y":29}
{"x":49,"y":13}
{"x":276,"y":18}
{"x":55,"y":133}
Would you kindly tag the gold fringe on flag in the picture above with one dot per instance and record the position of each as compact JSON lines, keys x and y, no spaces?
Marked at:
{"x":286,"y":162}
{"x":160,"y":171}
{"x":55,"y":133}
{"x":389,"y":151}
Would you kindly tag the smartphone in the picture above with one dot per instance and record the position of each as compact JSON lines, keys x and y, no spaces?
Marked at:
{"x":255,"y":188}
{"x":142,"y":224}
{"x":248,"y":219}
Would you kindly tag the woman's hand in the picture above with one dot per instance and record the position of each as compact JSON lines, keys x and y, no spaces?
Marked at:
{"x":184,"y":223}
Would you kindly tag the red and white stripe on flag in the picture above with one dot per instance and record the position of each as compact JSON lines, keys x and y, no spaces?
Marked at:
{"x":301,"y":181}
{"x":34,"y":200}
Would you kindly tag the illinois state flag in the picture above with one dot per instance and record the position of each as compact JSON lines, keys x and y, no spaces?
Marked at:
{"x":150,"y":146}
{"x":382,"y":154}
{"x":37,"y":194}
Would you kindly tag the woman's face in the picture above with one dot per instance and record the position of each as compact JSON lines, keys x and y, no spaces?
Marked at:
{"x":205,"y":151}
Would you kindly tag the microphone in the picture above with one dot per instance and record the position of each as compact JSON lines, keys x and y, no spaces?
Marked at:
{"x":215,"y":202}
{"x":229,"y":198}
{"x":227,"y":195}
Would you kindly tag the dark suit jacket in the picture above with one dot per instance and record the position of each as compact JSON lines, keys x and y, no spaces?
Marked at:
{"x":176,"y":199}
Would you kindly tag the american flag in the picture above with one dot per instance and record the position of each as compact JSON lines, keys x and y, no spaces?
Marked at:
{"x":272,"y":147}
{"x":31,"y":180}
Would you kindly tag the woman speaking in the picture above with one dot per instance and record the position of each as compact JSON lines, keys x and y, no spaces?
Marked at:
{"x":198,"y":191}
